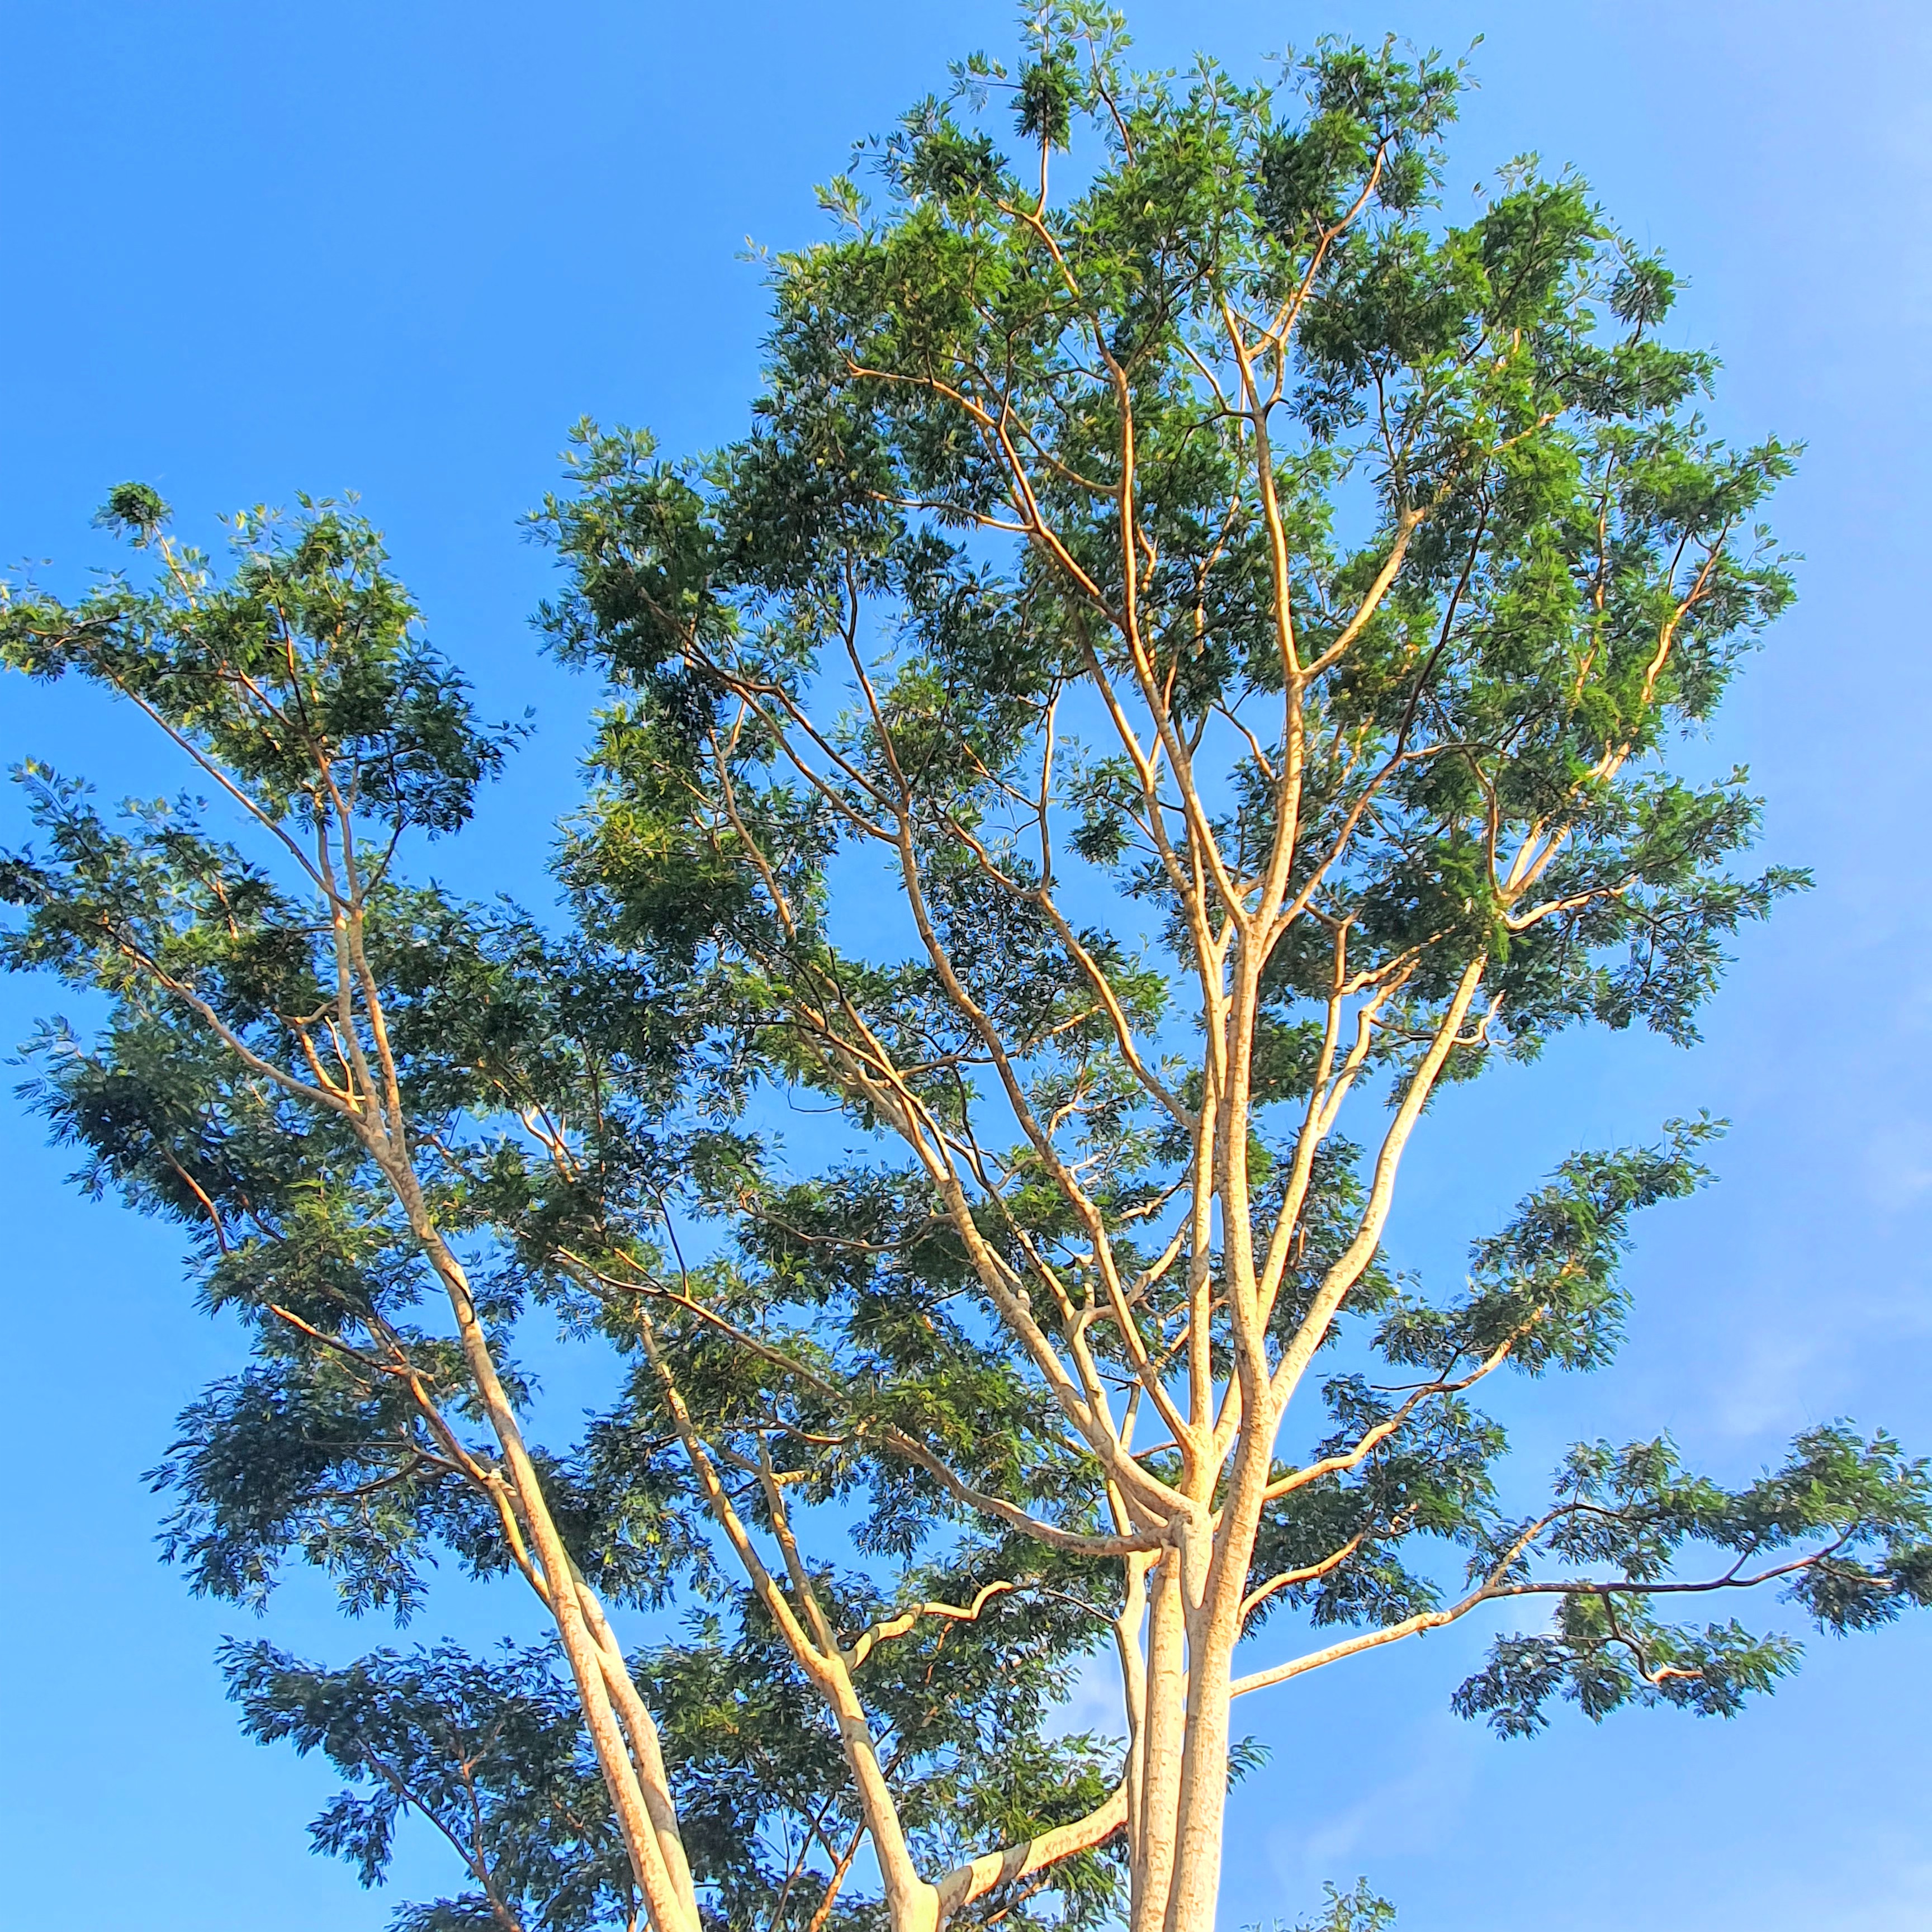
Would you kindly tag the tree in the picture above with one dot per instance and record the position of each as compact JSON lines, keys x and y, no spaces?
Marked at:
{"x":1246,"y":616}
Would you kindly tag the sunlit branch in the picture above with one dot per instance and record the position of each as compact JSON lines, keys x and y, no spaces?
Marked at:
{"x":964,"y":1883}
{"x":885,"y":1630}
{"x":1343,"y":1274}
{"x":1373,"y":1438}
{"x":1288,"y":1580}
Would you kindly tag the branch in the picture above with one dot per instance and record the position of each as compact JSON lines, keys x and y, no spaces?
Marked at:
{"x":896,"y":1626}
{"x":894,"y":1438}
{"x":1309,"y":1573}
{"x":964,"y":1883}
{"x":1343,"y":1275}
{"x":1373,"y":1439}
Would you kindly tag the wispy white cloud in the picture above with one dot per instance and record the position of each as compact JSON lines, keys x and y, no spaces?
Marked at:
{"x":1897,"y":1168}
{"x":1883,"y":1895}
{"x":1414,"y":1811}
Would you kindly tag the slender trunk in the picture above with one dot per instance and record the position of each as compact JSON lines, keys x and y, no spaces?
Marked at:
{"x":1203,"y":1798}
{"x":1127,"y":1640}
{"x":1214,"y":1629}
{"x":911,"y":1903}
{"x":648,"y":1824}
{"x":1162,"y":1730}
{"x":647,"y":1752}
{"x":580,"y":1649}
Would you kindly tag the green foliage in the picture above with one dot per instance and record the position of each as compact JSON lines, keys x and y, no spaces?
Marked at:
{"x":1357,"y":1909}
{"x":490,"y":1751}
{"x":310,"y":645}
{"x":320,"y":1451}
{"x":1859,"y":1511}
{"x":767,"y":1812}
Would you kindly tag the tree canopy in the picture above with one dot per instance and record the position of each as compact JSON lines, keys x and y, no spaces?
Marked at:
{"x":1187,"y":664}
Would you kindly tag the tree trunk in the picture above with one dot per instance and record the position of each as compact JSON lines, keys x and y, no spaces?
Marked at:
{"x":1195,"y":1884}
{"x":1163,"y":1735}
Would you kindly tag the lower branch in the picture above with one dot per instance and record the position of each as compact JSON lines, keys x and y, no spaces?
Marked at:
{"x":964,"y":1883}
{"x":1494,"y":1590}
{"x":897,"y":1626}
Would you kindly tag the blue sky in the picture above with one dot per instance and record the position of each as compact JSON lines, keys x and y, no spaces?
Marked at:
{"x":254,"y":249}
